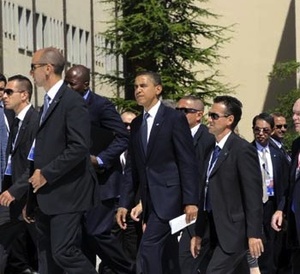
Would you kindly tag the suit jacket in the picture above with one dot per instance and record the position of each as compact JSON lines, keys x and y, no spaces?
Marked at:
{"x":19,"y":155}
{"x":293,"y":199}
{"x":235,"y":189}
{"x":168,"y":173}
{"x":106,"y":123}
{"x":62,"y":153}
{"x":280,"y":174}
{"x":203,"y":143}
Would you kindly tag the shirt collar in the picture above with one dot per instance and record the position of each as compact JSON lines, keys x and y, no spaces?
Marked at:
{"x":223,"y":140}
{"x":153,"y":111}
{"x":54,"y":89}
{"x":23,"y":112}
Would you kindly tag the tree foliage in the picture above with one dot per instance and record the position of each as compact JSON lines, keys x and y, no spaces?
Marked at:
{"x":282,"y":71}
{"x":170,"y":37}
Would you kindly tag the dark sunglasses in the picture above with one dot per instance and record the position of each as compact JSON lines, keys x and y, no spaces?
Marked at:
{"x":281,"y":126}
{"x":264,"y":130}
{"x":188,"y":110}
{"x":2,"y":89}
{"x":9,"y":91}
{"x":216,"y":116}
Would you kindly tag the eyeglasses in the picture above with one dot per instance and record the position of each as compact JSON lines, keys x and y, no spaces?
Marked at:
{"x":9,"y":91}
{"x":35,"y":66}
{"x":188,"y":110}
{"x":2,"y":89}
{"x":281,"y":126}
{"x":216,"y":116}
{"x":258,"y":130}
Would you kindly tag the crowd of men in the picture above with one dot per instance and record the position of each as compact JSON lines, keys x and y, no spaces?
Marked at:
{"x":80,"y":180}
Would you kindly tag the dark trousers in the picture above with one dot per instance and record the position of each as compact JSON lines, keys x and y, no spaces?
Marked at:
{"x":189,"y":264}
{"x":59,"y":244}
{"x":152,"y":255}
{"x":273,"y":241}
{"x":23,"y":252}
{"x":222,"y":262}
{"x":100,"y":241}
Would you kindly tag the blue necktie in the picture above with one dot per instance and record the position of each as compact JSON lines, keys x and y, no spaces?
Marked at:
{"x":144,"y":131}
{"x":45,"y":107}
{"x":214,"y":158}
{"x":4,"y":137}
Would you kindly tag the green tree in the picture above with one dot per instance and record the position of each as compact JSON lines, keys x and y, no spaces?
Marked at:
{"x":282,"y":71}
{"x":169,"y":37}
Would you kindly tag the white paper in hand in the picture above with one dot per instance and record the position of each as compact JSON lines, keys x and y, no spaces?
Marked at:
{"x":179,"y":223}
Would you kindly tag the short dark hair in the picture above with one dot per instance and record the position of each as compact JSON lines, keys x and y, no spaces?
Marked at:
{"x":233,"y":107}
{"x":24,"y":83}
{"x":264,"y":116}
{"x":155,"y":77}
{"x":3,"y":78}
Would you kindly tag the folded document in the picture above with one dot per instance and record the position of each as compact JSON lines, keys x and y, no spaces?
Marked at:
{"x":179,"y":223}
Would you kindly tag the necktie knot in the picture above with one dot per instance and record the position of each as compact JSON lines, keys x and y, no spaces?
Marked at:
{"x":146,"y":116}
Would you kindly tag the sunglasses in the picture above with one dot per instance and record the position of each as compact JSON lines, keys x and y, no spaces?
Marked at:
{"x":9,"y":91}
{"x":35,"y":66}
{"x":2,"y":89}
{"x":258,"y":130}
{"x":281,"y":126}
{"x":216,"y":116}
{"x":188,"y":110}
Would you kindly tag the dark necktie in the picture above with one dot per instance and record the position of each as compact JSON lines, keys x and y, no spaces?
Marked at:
{"x":144,"y":131}
{"x":214,"y":158}
{"x":45,"y":107}
{"x":14,"y":131}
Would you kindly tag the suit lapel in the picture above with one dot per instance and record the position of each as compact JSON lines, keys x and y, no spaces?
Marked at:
{"x":198,"y":134}
{"x":223,"y":153}
{"x":53,"y":104}
{"x":23,"y":127}
{"x":157,"y":123}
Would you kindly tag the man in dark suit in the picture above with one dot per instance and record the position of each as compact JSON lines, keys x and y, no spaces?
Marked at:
{"x":164,"y":170}
{"x":233,"y":192}
{"x":17,"y":95}
{"x":63,"y":178}
{"x":193,"y":108}
{"x":275,"y":181}
{"x":292,"y":199}
{"x":105,"y":157}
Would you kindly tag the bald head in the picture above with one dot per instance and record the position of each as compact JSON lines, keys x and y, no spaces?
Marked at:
{"x":78,"y":78}
{"x":296,"y":115}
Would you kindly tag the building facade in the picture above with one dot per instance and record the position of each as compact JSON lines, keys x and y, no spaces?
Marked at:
{"x":263,"y":33}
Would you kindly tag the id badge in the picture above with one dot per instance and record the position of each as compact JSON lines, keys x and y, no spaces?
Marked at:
{"x":8,"y":166}
{"x":30,"y":156}
{"x":270,"y":187}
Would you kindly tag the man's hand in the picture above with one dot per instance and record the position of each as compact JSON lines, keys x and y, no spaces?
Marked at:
{"x":94,"y":161}
{"x":121,"y":217}
{"x":195,"y":246}
{"x":136,"y":212}
{"x":191,"y":212}
{"x":26,"y":218}
{"x":6,"y":198}
{"x":277,"y":219}
{"x":37,"y":180}
{"x":256,"y":247}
